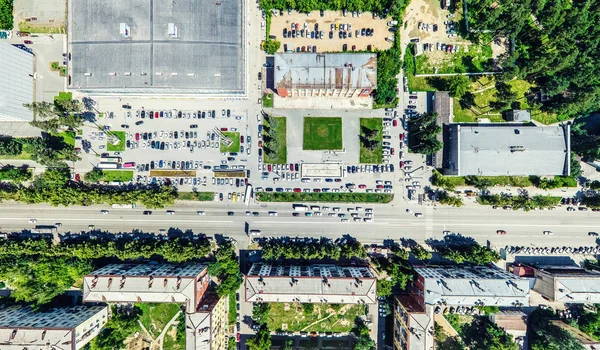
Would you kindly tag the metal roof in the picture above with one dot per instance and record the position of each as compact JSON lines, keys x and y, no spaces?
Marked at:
{"x":469,"y":285}
{"x":311,"y":284}
{"x":325,"y":71}
{"x":502,"y":150}
{"x":16,"y":83}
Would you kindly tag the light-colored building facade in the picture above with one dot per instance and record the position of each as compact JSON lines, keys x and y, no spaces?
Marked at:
{"x":207,"y":328}
{"x":16,"y":83}
{"x":333,"y":75}
{"x":567,"y":284}
{"x":413,"y":324}
{"x":320,"y":283}
{"x":65,"y":328}
{"x":469,"y":286}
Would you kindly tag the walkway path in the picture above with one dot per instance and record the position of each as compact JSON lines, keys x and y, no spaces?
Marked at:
{"x":167,"y":327}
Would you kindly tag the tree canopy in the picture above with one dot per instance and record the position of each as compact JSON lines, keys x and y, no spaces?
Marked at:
{"x":481,"y":333}
{"x":226,"y":268}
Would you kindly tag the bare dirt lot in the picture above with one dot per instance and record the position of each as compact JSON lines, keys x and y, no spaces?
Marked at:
{"x":381,"y":31}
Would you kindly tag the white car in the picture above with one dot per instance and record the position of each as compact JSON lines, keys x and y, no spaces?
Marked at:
{"x":273,"y":213}
{"x":200,"y":212}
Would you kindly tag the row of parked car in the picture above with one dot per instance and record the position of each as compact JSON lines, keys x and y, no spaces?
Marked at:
{"x":182,"y":114}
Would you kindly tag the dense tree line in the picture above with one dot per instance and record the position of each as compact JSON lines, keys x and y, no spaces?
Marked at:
{"x":55,"y":187}
{"x":262,"y":339}
{"x":543,"y":335}
{"x":121,"y":325}
{"x":521,"y":201}
{"x":51,"y":117}
{"x":555,"y":46}
{"x":226,"y":269}
{"x":6,"y":14}
{"x":424,"y":131}
{"x":362,"y":334}
{"x":17,"y":175}
{"x":393,"y":7}
{"x":463,"y":250}
{"x":307,"y":249}
{"x":49,"y":150}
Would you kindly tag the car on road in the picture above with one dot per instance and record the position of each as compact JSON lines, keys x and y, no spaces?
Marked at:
{"x":200,"y":212}
{"x":170,"y":212}
{"x":254,"y":232}
{"x":272,"y":213}
{"x":32,"y":221}
{"x":418,"y":215}
{"x":501,"y":232}
{"x":548,"y":233}
{"x":230,"y":213}
{"x":147,"y":212}
{"x":103,"y":212}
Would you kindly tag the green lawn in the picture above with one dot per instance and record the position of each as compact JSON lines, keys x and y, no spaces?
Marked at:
{"x":235,"y":146}
{"x":275,"y":140}
{"x":155,"y":317}
{"x":196,"y":196}
{"x":322,"y":133}
{"x":324,"y":197}
{"x":366,"y":155}
{"x":328,"y":318}
{"x":117,"y":175}
{"x":120,"y":147}
{"x":68,"y":137}
{"x":268,"y":101}
{"x":477,"y":59}
{"x":63,"y":96}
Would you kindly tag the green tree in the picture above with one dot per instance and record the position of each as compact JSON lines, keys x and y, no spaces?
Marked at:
{"x":481,"y":333}
{"x":544,"y":335}
{"x":94,"y":176}
{"x":271,"y":46}
{"x":589,"y":323}
{"x":420,"y":253}
{"x":363,"y":337}
{"x":260,"y":312}
{"x":446,"y":199}
{"x":226,"y":268}
{"x":120,"y":326}
{"x":262,"y":339}
{"x":458,"y":85}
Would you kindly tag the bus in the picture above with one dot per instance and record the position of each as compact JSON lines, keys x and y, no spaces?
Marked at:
{"x":247,"y":195}
{"x":111,"y":159}
{"x":107,"y":166}
{"x":44,"y":229}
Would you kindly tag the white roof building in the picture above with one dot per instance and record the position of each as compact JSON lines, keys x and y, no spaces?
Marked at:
{"x":311,"y":284}
{"x":16,"y":83}
{"x":471,"y":285}
{"x":148,"y":283}
{"x":568,"y":284}
{"x":66,"y":328}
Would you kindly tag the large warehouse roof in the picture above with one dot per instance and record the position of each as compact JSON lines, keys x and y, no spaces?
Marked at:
{"x":326,"y":71}
{"x":497,"y":150}
{"x":16,"y":83}
{"x":142,"y":46}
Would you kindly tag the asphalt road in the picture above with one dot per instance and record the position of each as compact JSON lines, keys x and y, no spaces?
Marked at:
{"x":390,"y":222}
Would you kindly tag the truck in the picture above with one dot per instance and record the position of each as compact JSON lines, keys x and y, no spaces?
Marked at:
{"x":300,"y":207}
{"x":107,"y":166}
{"x":123,"y":206}
{"x":392,"y":23}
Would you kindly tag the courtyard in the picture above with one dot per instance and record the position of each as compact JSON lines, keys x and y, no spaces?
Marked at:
{"x":322,"y":133}
{"x":314,"y":317}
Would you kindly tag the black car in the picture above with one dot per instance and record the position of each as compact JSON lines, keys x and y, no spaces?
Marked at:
{"x":147,"y":212}
{"x":269,"y":189}
{"x":228,"y":113}
{"x":345,"y":47}
{"x":128,"y":144}
{"x":237,"y":182}
{"x":187,"y":165}
{"x":296,"y":167}
{"x":152,"y":144}
{"x":203,"y":115}
{"x":125,"y":126}
{"x":285,"y":32}
{"x":147,"y":168}
{"x":139,"y":122}
{"x":230,"y":213}
{"x":314,"y":49}
{"x":162,"y":146}
{"x":363,"y":32}
{"x":179,"y":115}
{"x":194,"y":126}
{"x":345,"y":35}
{"x":259,"y":75}
{"x":176,"y":135}
{"x":187,"y":135}
{"x":260,"y":152}
{"x":341,"y":35}
{"x":330,"y":35}
{"x":322,"y":13}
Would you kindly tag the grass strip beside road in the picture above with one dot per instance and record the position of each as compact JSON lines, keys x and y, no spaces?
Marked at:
{"x":235,"y":145}
{"x":275,"y":140}
{"x":117,"y":175}
{"x":196,"y":196}
{"x":366,"y":155}
{"x":324,"y":197}
{"x":322,"y":133}
{"x":232,"y":310}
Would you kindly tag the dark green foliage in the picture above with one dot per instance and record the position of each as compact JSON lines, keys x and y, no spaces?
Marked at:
{"x":543,"y":335}
{"x":518,"y":202}
{"x":468,"y":252}
{"x":10,"y":147}
{"x":388,"y":68}
{"x":60,"y":114}
{"x":483,"y":334}
{"x":323,"y":248}
{"x":120,"y":326}
{"x":271,"y":46}
{"x":396,"y":6}
{"x":446,"y":199}
{"x":262,"y":339}
{"x":6,"y":14}
{"x":93,"y":176}
{"x":17,"y":175}
{"x":423,"y":134}
{"x":589,"y":323}
{"x":354,"y":197}
{"x":227,"y":269}
{"x":308,"y":308}
{"x":363,"y":338}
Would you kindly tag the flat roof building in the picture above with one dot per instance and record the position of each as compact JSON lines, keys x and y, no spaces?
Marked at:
{"x":507,"y":150}
{"x":157,"y":47}
{"x":413,"y":324}
{"x":16,"y":83}
{"x":65,"y":328}
{"x":518,"y":115}
{"x":469,"y":286}
{"x":147,"y":283}
{"x":325,"y":75}
{"x":514,"y":323}
{"x":567,"y":284}
{"x":321,"y":283}
{"x":207,"y":328}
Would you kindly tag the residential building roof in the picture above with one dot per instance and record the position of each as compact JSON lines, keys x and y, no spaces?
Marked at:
{"x":570,"y":284}
{"x":413,"y":324}
{"x":472,"y":285}
{"x":311,"y":284}
{"x":508,"y":150}
{"x":16,"y":83}
{"x":325,"y":71}
{"x":59,"y":328}
{"x":151,"y":283}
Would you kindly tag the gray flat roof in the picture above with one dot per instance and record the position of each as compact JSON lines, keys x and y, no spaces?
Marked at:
{"x":16,"y":83}
{"x":206,"y":56}
{"x":496,"y":150}
{"x":328,"y":71}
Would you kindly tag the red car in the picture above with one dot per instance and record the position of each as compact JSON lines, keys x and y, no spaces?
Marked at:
{"x":316,"y":190}
{"x":28,"y":42}
{"x":137,"y":136}
{"x":156,"y":115}
{"x":297,"y":190}
{"x":237,"y":337}
{"x":362,"y":186}
{"x":401,"y":136}
{"x":401,"y":164}
{"x":269,"y":167}
{"x":259,"y":143}
{"x":291,"y":167}
{"x":77,"y":177}
{"x":501,"y":232}
{"x":223,"y":129}
{"x":297,"y":26}
{"x":241,"y":139}
{"x":395,"y":122}
{"x":392,"y":151}
{"x":379,"y":186}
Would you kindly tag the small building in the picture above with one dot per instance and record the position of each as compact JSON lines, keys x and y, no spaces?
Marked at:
{"x":567,"y":284}
{"x":514,"y":323}
{"x":344,"y":75}
{"x":147,"y":283}
{"x":518,"y":115}
{"x":16,"y":83}
{"x":321,"y":283}
{"x":413,"y":324}
{"x":469,"y":286}
{"x":507,"y":150}
{"x":64,"y":328}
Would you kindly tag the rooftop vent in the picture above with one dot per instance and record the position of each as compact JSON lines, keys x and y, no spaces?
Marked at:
{"x":172,"y":31}
{"x":124,"y":30}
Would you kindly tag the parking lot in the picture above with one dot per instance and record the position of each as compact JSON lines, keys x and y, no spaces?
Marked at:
{"x":330,"y":32}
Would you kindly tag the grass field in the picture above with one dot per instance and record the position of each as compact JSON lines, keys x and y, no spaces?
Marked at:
{"x":119,"y":147}
{"x":117,"y":175}
{"x":63,"y":96}
{"x":477,"y":59}
{"x":68,"y":137}
{"x":322,"y":318}
{"x":235,"y":146}
{"x":27,"y":27}
{"x":268,"y":101}
{"x":196,"y":196}
{"x":366,"y":155}
{"x":322,"y":133}
{"x":155,"y":317}
{"x":324,"y":197}
{"x":279,"y":136}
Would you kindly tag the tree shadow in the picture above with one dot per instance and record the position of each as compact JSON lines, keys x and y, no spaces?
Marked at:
{"x":451,"y":240}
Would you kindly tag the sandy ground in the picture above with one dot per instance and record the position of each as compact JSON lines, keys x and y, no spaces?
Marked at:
{"x":332,"y":45}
